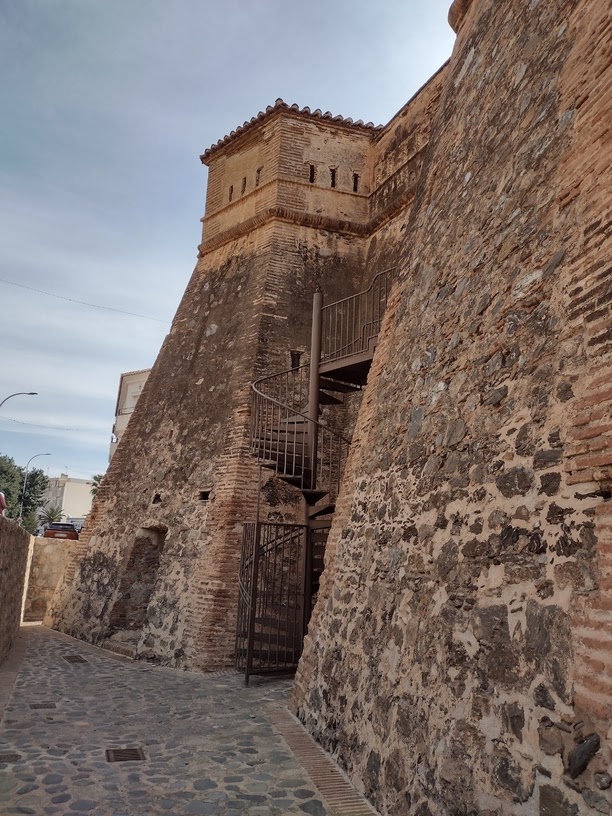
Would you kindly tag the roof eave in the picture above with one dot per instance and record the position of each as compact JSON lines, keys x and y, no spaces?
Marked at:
{"x":282,"y":107}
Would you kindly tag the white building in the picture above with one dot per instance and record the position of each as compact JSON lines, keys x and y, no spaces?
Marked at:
{"x":131,"y":384}
{"x":72,"y":495}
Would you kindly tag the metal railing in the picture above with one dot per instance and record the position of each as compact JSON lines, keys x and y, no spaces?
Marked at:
{"x":349,"y":325}
{"x":281,"y":431}
{"x":271,"y":609}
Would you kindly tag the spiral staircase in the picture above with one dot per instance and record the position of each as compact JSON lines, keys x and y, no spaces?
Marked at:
{"x":297,"y":434}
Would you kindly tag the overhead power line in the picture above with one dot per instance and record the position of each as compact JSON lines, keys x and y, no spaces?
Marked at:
{"x":47,"y":427}
{"x":82,"y":302}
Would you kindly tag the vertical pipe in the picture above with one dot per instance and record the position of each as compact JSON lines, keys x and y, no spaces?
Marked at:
{"x":252,"y":605}
{"x":307,"y":542}
{"x":313,"y":385}
{"x":253,"y":587}
{"x":323,"y":334}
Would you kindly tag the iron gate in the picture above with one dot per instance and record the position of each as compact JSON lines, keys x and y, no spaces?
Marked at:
{"x":272,"y":592}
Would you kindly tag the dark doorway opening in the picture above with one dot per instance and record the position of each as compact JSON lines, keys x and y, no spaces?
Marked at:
{"x":138,"y":580}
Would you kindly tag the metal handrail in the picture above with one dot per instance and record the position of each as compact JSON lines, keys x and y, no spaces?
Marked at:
{"x":280,"y":432}
{"x":285,"y":432}
{"x":306,"y":366}
{"x":351,"y":323}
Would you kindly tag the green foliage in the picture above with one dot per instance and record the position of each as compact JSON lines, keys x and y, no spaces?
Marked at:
{"x":97,"y":479}
{"x":51,"y":513}
{"x":31,"y":523}
{"x":11,"y":483}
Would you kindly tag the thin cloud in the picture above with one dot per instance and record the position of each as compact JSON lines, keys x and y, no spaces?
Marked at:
{"x":106,"y":107}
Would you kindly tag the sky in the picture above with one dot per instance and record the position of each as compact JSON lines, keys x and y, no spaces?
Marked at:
{"x":106,"y":107}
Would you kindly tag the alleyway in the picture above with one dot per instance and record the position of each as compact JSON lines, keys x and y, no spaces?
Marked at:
{"x":210,"y":746}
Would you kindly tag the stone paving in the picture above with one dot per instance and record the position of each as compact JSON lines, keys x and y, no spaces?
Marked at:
{"x":210,"y":747}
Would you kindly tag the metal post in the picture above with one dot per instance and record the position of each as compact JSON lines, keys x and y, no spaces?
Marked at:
{"x":308,"y":545}
{"x":25,"y":480}
{"x":252,"y":604}
{"x":253,"y":587}
{"x":313,"y":384}
{"x":19,"y":394}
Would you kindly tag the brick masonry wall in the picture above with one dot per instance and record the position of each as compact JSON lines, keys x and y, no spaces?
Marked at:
{"x":584,"y":199}
{"x":397,"y":154}
{"x":458,"y":660}
{"x":191,"y":434}
{"x":248,"y":304}
{"x":14,"y":544}
{"x":49,"y":560}
{"x":246,"y":307}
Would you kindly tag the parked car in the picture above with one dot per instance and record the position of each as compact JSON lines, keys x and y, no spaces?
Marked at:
{"x":61,"y":530}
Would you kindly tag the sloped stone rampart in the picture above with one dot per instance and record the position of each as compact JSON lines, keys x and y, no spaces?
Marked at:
{"x":458,"y":660}
{"x":14,"y":544}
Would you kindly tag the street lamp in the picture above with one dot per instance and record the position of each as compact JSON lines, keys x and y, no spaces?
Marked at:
{"x":25,"y":478}
{"x":18,"y":394}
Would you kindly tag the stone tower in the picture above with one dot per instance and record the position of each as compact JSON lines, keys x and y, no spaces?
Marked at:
{"x":296,"y":200}
{"x":155,"y":572}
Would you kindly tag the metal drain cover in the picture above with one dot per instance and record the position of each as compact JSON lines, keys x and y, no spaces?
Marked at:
{"x":10,"y":757}
{"x":74,"y":659}
{"x":124,"y":755}
{"x":43,"y":705}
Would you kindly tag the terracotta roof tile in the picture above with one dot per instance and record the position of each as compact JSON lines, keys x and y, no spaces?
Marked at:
{"x":281,"y":105}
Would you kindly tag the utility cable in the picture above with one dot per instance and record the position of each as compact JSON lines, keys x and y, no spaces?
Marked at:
{"x":83,"y":302}
{"x":47,"y":427}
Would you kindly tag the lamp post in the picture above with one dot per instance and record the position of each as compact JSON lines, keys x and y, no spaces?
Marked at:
{"x":18,"y":394}
{"x":25,"y":480}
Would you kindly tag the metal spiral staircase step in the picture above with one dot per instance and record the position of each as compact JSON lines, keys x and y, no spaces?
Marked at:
{"x":328,"y":399}
{"x":338,"y":385}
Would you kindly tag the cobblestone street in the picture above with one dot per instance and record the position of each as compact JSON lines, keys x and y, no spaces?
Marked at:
{"x":209,"y":744}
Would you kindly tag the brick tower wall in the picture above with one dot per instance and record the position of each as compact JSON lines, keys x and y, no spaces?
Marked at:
{"x":248,"y":304}
{"x":274,"y":230}
{"x":458,"y":659}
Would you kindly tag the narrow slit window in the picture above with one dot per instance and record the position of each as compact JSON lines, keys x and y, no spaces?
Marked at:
{"x":231,"y":192}
{"x":332,"y":171}
{"x":258,"y":176}
{"x":355,"y":182}
{"x":243,"y":188}
{"x":295,"y":358}
{"x":311,"y":176}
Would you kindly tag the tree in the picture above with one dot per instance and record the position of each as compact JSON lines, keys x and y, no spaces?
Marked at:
{"x":51,"y":513}
{"x":11,"y":483}
{"x":97,"y":480}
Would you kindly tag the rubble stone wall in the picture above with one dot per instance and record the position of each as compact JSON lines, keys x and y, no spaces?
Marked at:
{"x":14,"y":544}
{"x":458,"y":659}
{"x":47,"y":565}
